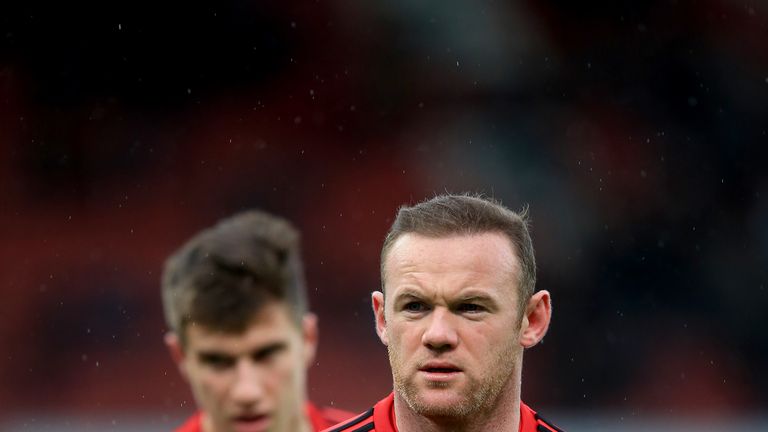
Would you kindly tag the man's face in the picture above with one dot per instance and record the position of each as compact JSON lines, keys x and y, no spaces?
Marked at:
{"x":451,"y":322}
{"x":254,"y":381}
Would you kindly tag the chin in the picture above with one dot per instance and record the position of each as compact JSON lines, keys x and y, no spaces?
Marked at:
{"x":441,"y":403}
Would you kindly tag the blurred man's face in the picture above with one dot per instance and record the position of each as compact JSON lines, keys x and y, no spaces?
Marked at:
{"x":254,"y":381}
{"x":451,"y":322}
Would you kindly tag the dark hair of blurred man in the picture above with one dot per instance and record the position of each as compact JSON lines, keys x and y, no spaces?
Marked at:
{"x":456,"y":310}
{"x":240,"y":332}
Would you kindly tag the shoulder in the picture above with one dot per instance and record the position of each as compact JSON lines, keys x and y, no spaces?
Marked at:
{"x":191,"y":425}
{"x":376,"y":419}
{"x":325,"y":417}
{"x":534,"y":422}
{"x":335,"y":415}
{"x":359,"y":423}
{"x":544,"y":425}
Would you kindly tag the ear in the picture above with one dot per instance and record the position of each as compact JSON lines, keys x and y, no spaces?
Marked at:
{"x":310,"y":333}
{"x":377,"y":301}
{"x":178,"y":355}
{"x":536,"y":320}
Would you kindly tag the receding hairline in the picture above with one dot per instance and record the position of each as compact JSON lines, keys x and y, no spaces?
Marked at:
{"x":467,"y":214}
{"x":515,"y":266}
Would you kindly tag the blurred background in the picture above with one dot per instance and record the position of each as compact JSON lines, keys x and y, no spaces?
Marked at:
{"x":636,"y":131}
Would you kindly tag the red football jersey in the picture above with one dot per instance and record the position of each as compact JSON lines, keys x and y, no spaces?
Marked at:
{"x":381,"y":418}
{"x":320,"y":418}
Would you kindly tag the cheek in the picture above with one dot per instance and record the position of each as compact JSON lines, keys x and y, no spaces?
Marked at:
{"x":215,"y":384}
{"x":493,"y":344}
{"x":286,"y":372}
{"x":481,"y":338}
{"x":209,"y":387}
{"x":404,"y":337}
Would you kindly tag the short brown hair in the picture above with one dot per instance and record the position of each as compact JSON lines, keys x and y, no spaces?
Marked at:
{"x":225,"y":274}
{"x":467,"y":214}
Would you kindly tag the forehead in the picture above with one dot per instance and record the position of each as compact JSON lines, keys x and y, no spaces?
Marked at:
{"x":487,"y":256}
{"x":272,"y":323}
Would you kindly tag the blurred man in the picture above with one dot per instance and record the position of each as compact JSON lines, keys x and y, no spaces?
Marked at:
{"x":240,"y":332}
{"x":456,"y":310}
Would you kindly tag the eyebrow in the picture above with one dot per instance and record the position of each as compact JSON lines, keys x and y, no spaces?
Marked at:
{"x":488,"y":301}
{"x":409,"y":292}
{"x":476,"y":297}
{"x":469,"y":296}
{"x":475,"y":293}
{"x":213,"y":355}
{"x":269,"y":348}
{"x":264,"y":349}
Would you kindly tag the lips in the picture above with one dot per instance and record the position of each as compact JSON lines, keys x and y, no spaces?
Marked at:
{"x":251,"y":423}
{"x":439,"y":367}
{"x":435,"y":371}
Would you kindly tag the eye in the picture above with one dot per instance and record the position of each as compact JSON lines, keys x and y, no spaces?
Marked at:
{"x":471,"y":308}
{"x":268,"y":352}
{"x":414,"y":306}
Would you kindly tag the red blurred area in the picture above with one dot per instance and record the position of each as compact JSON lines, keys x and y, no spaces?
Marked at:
{"x":635,"y":132}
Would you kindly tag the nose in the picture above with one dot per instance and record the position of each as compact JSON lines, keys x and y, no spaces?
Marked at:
{"x":440,"y":334}
{"x":248,"y":388}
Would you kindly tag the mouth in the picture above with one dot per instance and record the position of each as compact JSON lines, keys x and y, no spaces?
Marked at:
{"x":439,"y":371}
{"x":251,"y":423}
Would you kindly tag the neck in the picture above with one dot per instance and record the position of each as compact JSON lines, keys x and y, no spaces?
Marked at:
{"x":300,"y":424}
{"x":294,"y":423}
{"x":503,"y":415}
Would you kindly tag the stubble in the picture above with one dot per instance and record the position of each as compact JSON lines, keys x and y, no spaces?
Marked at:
{"x":480,"y":395}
